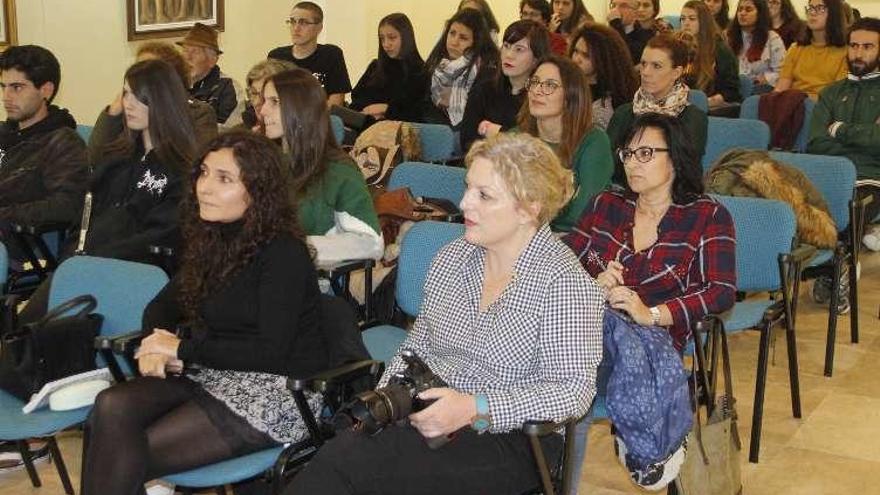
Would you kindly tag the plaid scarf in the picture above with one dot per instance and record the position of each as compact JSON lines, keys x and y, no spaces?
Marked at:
{"x":450,"y":84}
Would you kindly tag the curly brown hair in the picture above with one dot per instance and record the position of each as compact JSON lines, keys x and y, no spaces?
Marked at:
{"x":213,"y":252}
{"x":612,"y":61}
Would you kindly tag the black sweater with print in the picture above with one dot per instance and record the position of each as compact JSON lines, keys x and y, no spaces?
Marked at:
{"x":134,"y":206}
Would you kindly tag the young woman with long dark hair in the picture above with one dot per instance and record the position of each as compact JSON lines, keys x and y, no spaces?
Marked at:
{"x":558,"y":110}
{"x":483,"y":7}
{"x":463,"y":56}
{"x":785,"y":21}
{"x":759,"y":49}
{"x":603,"y":56}
{"x":334,"y":208}
{"x":819,"y":56}
{"x":714,"y":69}
{"x":720,"y":11}
{"x":568,"y":15}
{"x":248,"y":292}
{"x":394,"y":83}
{"x":494,"y":104}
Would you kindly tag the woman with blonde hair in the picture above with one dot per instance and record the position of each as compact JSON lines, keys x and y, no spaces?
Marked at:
{"x":503,"y":365}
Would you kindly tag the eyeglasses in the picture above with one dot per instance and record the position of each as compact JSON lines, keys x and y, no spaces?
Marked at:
{"x":815,"y":9}
{"x":301,"y":22}
{"x":546,"y":87}
{"x":642,"y":154}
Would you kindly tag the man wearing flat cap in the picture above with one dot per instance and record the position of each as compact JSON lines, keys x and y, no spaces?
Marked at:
{"x":201,"y":51}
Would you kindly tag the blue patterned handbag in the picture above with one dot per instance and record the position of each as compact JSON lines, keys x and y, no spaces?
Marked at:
{"x":648,"y":398}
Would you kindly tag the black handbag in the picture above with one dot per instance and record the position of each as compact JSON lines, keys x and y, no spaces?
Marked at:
{"x":60,"y":344}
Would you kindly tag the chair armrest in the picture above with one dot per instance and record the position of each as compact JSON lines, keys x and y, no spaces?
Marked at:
{"x":323,"y":380}
{"x":799,"y":254}
{"x":122,"y":343}
{"x":39,"y":229}
{"x":539,"y":428}
{"x":348,"y":266}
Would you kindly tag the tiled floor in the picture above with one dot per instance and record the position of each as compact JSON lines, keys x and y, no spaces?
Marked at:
{"x":833,"y":449}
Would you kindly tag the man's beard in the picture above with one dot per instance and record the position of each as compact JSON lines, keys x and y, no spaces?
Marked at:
{"x":862,"y":68}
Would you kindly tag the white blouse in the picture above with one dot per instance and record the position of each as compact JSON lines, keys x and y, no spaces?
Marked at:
{"x":770,"y":62}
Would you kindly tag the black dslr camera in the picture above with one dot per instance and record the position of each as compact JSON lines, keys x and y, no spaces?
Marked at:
{"x":373,"y":410}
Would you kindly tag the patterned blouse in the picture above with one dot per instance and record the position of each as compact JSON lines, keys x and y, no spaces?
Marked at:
{"x":770,"y":62}
{"x":533,"y":352}
{"x":691,"y":268}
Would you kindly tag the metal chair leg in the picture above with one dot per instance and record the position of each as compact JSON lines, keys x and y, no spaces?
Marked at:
{"x":794,"y":382}
{"x":760,"y":385}
{"x":853,"y":298}
{"x":59,"y":465}
{"x":25,"y":452}
{"x":832,"y":312}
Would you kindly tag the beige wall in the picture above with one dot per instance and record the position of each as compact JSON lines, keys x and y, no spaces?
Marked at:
{"x":89,"y":36}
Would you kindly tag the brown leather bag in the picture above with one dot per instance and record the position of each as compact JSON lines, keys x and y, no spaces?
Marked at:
{"x":400,"y":206}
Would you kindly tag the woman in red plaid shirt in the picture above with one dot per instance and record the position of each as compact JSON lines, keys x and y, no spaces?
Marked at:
{"x":662,"y":249}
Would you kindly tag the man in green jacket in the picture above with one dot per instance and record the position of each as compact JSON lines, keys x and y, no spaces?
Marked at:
{"x":846,"y":122}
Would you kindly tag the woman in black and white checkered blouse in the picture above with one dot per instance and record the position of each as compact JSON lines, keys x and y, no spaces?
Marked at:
{"x":510,"y":321}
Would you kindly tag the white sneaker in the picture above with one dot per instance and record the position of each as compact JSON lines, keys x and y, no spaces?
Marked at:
{"x":158,"y":487}
{"x":871,"y":240}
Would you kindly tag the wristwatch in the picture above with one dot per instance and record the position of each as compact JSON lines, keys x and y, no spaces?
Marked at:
{"x":481,"y":422}
{"x":655,"y":315}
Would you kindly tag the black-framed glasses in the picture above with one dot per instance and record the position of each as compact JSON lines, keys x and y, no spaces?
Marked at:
{"x":546,"y":87}
{"x":300,"y":22}
{"x":815,"y":9}
{"x":642,"y":154}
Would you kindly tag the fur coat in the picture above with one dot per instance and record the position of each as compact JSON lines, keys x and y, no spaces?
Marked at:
{"x":756,"y":174}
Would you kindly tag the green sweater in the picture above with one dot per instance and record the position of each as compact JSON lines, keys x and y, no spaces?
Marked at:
{"x":726,"y":73}
{"x":694,"y":120}
{"x":341,"y":189}
{"x":857,"y":105}
{"x":592,"y":166}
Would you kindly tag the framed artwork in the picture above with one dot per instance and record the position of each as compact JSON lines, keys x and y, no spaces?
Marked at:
{"x":170,"y":18}
{"x":8,"y":33}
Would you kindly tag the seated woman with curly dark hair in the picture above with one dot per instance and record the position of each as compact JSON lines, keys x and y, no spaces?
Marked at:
{"x":249,"y":293}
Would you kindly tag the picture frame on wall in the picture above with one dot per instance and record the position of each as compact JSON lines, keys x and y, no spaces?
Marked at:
{"x":171,"y":18}
{"x":8,"y":29}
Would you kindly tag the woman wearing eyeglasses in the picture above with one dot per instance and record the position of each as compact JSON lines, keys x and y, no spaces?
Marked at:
{"x":558,"y":110}
{"x":819,"y":56}
{"x":493,"y":104}
{"x":662,"y":249}
{"x":785,"y":21}
{"x":666,"y":250}
{"x":662,"y":91}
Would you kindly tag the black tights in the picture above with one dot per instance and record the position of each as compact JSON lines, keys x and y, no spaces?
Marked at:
{"x":150,"y":427}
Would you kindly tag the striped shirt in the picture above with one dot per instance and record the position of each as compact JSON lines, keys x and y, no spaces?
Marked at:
{"x":533,"y":352}
{"x":691,"y":268}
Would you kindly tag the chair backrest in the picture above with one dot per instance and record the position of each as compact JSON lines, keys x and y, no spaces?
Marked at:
{"x":429,"y":180}
{"x":674,"y":20}
{"x":4,"y":267}
{"x":84,"y":131}
{"x":439,"y":143}
{"x":764,"y":229}
{"x":746,"y":86}
{"x":699,"y":99}
{"x":122,"y":288}
{"x":420,"y":244}
{"x":726,"y":134}
{"x":749,"y":110}
{"x":338,"y":128}
{"x":833,"y":176}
